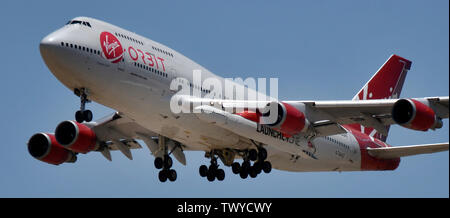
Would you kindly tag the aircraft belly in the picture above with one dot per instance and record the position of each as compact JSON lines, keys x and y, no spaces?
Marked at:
{"x":148,"y":106}
{"x":329,"y":157}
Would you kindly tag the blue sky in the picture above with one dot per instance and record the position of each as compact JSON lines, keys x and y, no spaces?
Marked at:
{"x":319,"y":50}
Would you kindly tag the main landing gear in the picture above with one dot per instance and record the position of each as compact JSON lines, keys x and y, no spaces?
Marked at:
{"x":212,"y":172}
{"x":260,"y":164}
{"x":165,"y":163}
{"x":82,"y":114}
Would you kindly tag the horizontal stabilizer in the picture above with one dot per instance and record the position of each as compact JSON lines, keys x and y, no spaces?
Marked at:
{"x":402,"y":151}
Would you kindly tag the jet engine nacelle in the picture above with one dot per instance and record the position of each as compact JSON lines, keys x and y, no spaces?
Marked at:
{"x":289,"y":120}
{"x":44,"y":147}
{"x":413,"y":114}
{"x":76,"y":136}
{"x":250,"y":115}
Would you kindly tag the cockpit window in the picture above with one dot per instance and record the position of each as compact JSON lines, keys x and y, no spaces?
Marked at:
{"x":85,"y":23}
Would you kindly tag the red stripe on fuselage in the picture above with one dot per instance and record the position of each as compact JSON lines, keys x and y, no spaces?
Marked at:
{"x":368,"y":162}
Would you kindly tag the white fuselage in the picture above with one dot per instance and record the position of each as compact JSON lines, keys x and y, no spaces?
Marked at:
{"x":141,"y":91}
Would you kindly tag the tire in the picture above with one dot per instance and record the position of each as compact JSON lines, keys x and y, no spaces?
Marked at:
{"x":79,"y":116}
{"x":167,"y":162}
{"x":243,"y":174}
{"x":236,"y":167}
{"x":258,"y":167}
{"x":220,"y":174}
{"x":211,"y":176}
{"x":87,"y":114}
{"x":267,"y":166}
{"x":162,"y":176}
{"x":203,"y":170}
{"x":245,"y":166}
{"x":262,"y":154}
{"x":253,"y":173}
{"x":159,"y":163}
{"x":172,"y":175}
{"x":212,"y":168}
{"x":252,"y":154}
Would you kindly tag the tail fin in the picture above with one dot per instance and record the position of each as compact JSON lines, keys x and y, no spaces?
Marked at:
{"x":386,"y":83}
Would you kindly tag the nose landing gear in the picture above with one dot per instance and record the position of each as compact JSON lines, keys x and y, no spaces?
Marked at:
{"x":83,"y":114}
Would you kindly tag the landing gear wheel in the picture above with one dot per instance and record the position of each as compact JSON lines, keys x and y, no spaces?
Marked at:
{"x":172,"y":174}
{"x":203,"y":170}
{"x":243,"y":173}
{"x":79,"y":117}
{"x":162,"y":176}
{"x":82,"y":114}
{"x":235,"y":167}
{"x":258,"y":167}
{"x":253,"y":173}
{"x":167,"y":161}
{"x":87,"y":114}
{"x":211,"y":176}
{"x":245,"y":165}
{"x":159,"y":163}
{"x":267,"y":166}
{"x":252,"y":154}
{"x":262,"y":154}
{"x":220,"y":174}
{"x":213,"y":172}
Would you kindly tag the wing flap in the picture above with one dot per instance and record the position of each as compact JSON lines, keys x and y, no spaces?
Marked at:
{"x":402,"y":151}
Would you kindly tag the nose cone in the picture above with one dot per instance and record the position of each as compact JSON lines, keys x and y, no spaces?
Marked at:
{"x":52,"y":50}
{"x":47,"y":44}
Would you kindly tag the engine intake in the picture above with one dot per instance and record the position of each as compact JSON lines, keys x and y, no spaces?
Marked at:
{"x":44,"y":147}
{"x":413,"y":114}
{"x":76,"y":136}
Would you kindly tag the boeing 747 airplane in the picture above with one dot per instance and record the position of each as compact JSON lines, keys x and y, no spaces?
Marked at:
{"x":173,"y":105}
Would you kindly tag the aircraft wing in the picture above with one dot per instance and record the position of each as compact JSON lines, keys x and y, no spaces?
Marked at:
{"x":118,"y":132}
{"x":374,"y":113}
{"x":329,"y":115}
{"x":350,"y":111}
{"x":402,"y":151}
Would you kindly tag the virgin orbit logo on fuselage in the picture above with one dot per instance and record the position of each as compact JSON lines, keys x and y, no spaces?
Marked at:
{"x":111,"y":47}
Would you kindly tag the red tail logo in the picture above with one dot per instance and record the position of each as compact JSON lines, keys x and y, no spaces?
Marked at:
{"x":387,"y":82}
{"x":111,"y":47}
